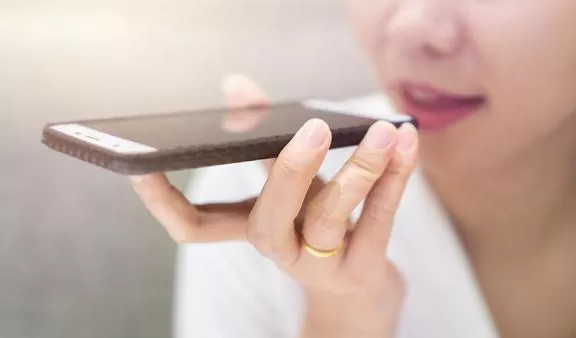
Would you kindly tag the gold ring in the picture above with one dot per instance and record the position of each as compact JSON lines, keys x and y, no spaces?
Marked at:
{"x":322,"y":253}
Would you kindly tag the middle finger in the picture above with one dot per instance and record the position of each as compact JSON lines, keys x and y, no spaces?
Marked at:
{"x":271,"y":224}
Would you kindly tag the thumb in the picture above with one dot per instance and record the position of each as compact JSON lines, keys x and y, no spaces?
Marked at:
{"x":242,"y":92}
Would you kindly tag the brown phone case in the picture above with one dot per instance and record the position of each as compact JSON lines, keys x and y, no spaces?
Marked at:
{"x":193,"y":156}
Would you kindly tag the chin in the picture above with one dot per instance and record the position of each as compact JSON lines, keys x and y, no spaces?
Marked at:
{"x":468,"y":148}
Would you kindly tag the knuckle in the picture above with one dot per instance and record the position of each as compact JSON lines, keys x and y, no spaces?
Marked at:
{"x":327,"y":234}
{"x":399,"y":168}
{"x":328,"y":225}
{"x":356,"y":283}
{"x":359,"y":281}
{"x":372,"y":215}
{"x":277,"y":248}
{"x":290,"y":166}
{"x":365,"y":169}
{"x":255,"y":235}
{"x":284,"y":255}
{"x":267,"y":246}
{"x":395,"y":278}
{"x":259,"y":238}
{"x":381,"y":215}
{"x":388,"y":210}
{"x":378,"y":209}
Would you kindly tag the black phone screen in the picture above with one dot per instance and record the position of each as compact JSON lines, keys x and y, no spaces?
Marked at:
{"x":169,"y":131}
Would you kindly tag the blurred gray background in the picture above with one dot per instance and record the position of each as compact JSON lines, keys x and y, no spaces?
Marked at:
{"x":79,"y":256}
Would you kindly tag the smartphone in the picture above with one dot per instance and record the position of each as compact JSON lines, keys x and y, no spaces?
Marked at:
{"x":187,"y":140}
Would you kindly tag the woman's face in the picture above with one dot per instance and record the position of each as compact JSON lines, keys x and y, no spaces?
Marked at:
{"x":489,"y":80}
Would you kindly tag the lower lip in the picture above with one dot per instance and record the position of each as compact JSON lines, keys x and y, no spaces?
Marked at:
{"x":432,"y":118}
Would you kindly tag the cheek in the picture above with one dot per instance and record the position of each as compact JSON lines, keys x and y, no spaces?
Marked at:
{"x":529,"y":58}
{"x":526,"y":58}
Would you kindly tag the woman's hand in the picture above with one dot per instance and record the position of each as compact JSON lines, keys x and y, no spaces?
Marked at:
{"x":303,"y":225}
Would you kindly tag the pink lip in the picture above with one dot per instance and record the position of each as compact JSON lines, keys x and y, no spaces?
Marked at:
{"x":446,"y":110}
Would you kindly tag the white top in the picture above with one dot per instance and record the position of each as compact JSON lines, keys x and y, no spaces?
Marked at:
{"x":229,"y":290}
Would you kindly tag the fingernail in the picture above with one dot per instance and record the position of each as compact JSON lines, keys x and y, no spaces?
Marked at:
{"x":378,"y":136}
{"x":313,"y":134}
{"x":406,"y":137}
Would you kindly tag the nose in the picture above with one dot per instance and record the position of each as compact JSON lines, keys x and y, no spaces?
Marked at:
{"x":431,"y":27}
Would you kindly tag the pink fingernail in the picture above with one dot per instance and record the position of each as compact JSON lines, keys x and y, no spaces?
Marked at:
{"x":313,"y":134}
{"x":379,"y":136}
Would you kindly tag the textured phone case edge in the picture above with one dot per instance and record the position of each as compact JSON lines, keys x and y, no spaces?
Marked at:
{"x":187,"y":157}
{"x":190,"y":157}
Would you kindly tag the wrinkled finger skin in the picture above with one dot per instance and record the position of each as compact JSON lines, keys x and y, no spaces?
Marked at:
{"x":295,"y":205}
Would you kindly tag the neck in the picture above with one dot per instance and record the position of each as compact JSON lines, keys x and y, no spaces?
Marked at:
{"x":538,"y":193}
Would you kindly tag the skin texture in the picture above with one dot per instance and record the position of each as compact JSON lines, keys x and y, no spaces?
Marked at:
{"x":521,"y":55}
{"x":355,"y":293}
{"x":505,"y":174}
